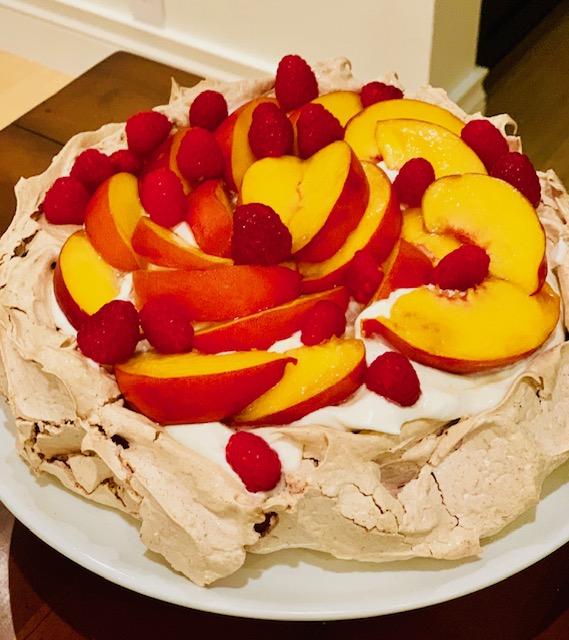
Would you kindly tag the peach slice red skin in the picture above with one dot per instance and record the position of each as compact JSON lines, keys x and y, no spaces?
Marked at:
{"x":165,"y":157}
{"x":67,"y":304}
{"x":380,"y":243}
{"x":261,"y":330}
{"x":202,"y":398}
{"x":210,"y":217}
{"x":343,"y":219}
{"x":334,"y":394}
{"x":163,"y":247}
{"x":217,"y":295}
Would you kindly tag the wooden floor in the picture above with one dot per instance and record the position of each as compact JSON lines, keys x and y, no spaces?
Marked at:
{"x":531,"y":84}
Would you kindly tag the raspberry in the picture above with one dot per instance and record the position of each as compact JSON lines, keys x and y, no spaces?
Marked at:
{"x":65,"y":201}
{"x":462,"y":268}
{"x":126,"y":160}
{"x":363,"y":276}
{"x":376,"y":91}
{"x":146,"y":130}
{"x":316,"y":128}
{"x":167,"y":325}
{"x":259,"y":235}
{"x":392,"y":376}
{"x":324,"y":320}
{"x":91,"y":167}
{"x":199,"y":156}
{"x":485,"y":140}
{"x":516,"y":169}
{"x":111,"y":334}
{"x":295,"y":83}
{"x":162,"y":196}
{"x":253,"y":460}
{"x":412,"y":181}
{"x":208,"y":110}
{"x":271,"y":134}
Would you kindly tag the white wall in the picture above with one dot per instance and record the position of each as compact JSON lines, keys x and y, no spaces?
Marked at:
{"x":425,"y":41}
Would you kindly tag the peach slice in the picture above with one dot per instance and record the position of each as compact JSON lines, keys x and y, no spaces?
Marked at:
{"x":325,"y":374}
{"x":377,"y":232}
{"x":400,"y":140}
{"x":82,"y":281}
{"x":407,"y":267}
{"x":360,"y":130}
{"x":110,"y":219}
{"x":489,"y":326}
{"x":435,"y":245}
{"x":233,"y":138}
{"x":165,"y":156}
{"x":320,"y":200}
{"x":210,"y":217}
{"x":494,"y":215}
{"x":221,"y":294}
{"x":165,"y":248}
{"x":261,"y":330}
{"x":191,"y":388}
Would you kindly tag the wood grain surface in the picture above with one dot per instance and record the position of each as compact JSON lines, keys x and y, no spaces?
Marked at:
{"x":43,"y":595}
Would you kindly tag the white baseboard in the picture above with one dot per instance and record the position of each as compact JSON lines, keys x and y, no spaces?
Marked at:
{"x":72,"y":38}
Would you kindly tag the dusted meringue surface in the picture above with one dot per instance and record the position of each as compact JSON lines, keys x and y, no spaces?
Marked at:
{"x":435,"y":489}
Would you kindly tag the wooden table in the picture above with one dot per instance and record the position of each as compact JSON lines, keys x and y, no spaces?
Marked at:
{"x":44,"y":595}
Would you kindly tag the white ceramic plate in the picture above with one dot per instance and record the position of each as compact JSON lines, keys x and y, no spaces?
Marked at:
{"x":291,"y":585}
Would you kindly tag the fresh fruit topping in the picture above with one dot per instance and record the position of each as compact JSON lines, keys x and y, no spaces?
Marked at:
{"x":65,"y":201}
{"x":259,"y":236}
{"x":363,"y":276}
{"x":167,"y":325}
{"x":125,"y":160}
{"x":325,"y":320}
{"x":271,"y":133}
{"x":111,"y":334}
{"x":316,"y":128}
{"x":462,"y":268}
{"x":392,"y":376}
{"x":376,"y":91}
{"x":162,"y":196}
{"x":199,"y":156}
{"x":145,"y":130}
{"x":485,"y":140}
{"x":517,"y":169}
{"x":412,"y":181}
{"x":253,"y":460}
{"x":295,"y":83}
{"x":208,"y":110}
{"x":91,"y":167}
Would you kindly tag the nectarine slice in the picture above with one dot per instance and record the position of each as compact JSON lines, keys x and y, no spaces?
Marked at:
{"x":325,"y":374}
{"x":377,"y":232}
{"x":191,"y":388}
{"x":165,"y":248}
{"x":111,"y":217}
{"x":489,"y":326}
{"x":360,"y":130}
{"x":220,"y":294}
{"x":320,"y":199}
{"x":261,"y":330}
{"x":494,"y":215}
{"x":210,"y":216}
{"x":401,"y":140}
{"x":83,"y":282}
